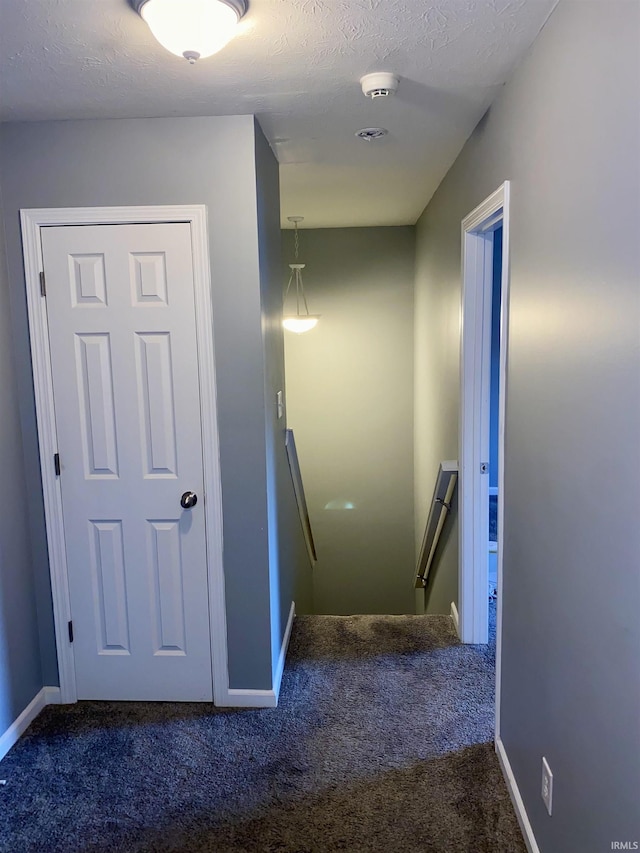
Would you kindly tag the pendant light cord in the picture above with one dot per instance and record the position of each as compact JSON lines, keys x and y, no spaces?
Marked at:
{"x":297,"y":273}
{"x":296,"y":246}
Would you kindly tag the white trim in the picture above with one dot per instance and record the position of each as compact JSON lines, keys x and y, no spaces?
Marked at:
{"x":474,"y":433}
{"x":483,"y":218}
{"x":502,"y":407}
{"x":236,"y":697}
{"x":455,"y":617}
{"x":46,"y":696}
{"x":196,"y":216}
{"x":477,"y":267}
{"x":210,"y":455}
{"x":516,"y":798}
{"x":47,"y":443}
{"x":279,"y":670}
{"x":52,"y":696}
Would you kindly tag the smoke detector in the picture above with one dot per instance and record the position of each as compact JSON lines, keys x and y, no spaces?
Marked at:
{"x":380,"y":84}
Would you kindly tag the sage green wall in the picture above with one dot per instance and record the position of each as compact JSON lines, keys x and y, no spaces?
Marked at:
{"x":566,"y":132}
{"x":436,"y":392}
{"x":350,"y":404}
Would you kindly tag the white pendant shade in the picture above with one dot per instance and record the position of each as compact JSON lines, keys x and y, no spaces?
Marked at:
{"x":300,"y":323}
{"x":192,"y":28}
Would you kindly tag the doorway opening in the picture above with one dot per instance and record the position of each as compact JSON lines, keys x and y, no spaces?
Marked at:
{"x":494,"y":412}
{"x":483,"y":360}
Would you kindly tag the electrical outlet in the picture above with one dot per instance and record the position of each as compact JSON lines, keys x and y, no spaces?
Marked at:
{"x":547,"y":784}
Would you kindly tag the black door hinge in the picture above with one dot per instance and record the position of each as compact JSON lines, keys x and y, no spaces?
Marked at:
{"x":56,"y":463}
{"x":71,"y":632}
{"x":43,"y":284}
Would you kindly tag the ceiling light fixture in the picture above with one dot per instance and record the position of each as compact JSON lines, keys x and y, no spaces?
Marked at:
{"x":371,"y":133}
{"x":380,"y":84}
{"x":194,"y":29}
{"x":298,"y":322}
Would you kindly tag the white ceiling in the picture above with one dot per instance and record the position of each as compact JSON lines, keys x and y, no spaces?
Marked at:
{"x":296,"y":64}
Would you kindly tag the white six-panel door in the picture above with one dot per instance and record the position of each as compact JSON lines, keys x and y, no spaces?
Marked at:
{"x":121,"y":318}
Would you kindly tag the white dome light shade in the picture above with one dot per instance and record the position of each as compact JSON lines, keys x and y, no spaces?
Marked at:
{"x":192,"y":28}
{"x":300,"y":323}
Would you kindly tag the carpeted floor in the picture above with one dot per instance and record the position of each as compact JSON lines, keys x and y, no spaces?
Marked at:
{"x":382,"y":742}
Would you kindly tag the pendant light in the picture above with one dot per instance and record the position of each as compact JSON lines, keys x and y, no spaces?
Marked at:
{"x":298,"y":322}
{"x":192,"y":28}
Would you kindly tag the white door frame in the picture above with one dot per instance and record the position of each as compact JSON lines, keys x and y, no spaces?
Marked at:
{"x":196,"y":216}
{"x":475,"y":355}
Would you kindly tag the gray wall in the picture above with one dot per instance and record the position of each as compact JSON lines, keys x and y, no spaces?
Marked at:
{"x":566,"y":132}
{"x":169,"y":161}
{"x":287,"y":555}
{"x":20,"y":672}
{"x":350,"y":404}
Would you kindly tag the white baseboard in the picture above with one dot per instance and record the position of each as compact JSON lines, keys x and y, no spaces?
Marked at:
{"x":46,"y":696}
{"x":516,"y":799}
{"x":241,"y":698}
{"x":455,"y":617}
{"x":52,"y":696}
{"x":277,"y":675}
{"x":236,"y":698}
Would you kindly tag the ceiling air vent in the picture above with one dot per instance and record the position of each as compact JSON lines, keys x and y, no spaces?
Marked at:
{"x":370,"y":133}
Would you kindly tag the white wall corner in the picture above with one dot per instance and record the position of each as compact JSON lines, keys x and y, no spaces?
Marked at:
{"x":516,"y":798}
{"x":455,"y":617}
{"x":46,"y":696}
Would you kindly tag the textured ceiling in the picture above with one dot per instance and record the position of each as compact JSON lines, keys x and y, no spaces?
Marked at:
{"x":295,"y":64}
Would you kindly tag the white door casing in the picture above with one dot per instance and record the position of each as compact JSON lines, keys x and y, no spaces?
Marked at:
{"x":152,"y":604}
{"x":475,"y":355}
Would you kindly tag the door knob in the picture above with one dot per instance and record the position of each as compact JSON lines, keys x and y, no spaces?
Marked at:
{"x":188,"y":500}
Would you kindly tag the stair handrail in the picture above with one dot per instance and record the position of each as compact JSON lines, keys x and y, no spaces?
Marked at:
{"x":440,"y":506}
{"x":298,"y":489}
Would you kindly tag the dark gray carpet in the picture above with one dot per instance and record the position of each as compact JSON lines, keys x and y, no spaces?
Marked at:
{"x":382,"y":742}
